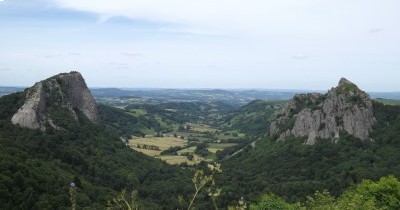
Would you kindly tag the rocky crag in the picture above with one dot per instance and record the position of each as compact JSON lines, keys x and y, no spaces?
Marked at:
{"x":345,"y":108}
{"x":66,"y":92}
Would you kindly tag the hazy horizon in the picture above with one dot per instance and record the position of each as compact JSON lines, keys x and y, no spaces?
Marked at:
{"x":216,"y":88}
{"x":219,"y":44}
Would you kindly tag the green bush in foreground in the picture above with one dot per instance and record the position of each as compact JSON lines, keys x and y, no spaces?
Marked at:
{"x":382,"y":195}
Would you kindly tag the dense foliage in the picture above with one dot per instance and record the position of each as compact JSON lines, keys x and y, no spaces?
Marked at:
{"x":294,"y":170}
{"x":254,"y":118}
{"x":37,"y":167}
{"x":124,"y":123}
{"x":369,"y":195}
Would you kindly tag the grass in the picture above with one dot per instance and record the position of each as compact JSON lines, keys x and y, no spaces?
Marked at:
{"x":189,"y":150}
{"x":234,"y":134}
{"x":163,"y":143}
{"x":174,"y":159}
{"x":177,"y":160}
{"x":211,"y":157}
{"x":213,"y":148}
{"x":202,"y":128}
{"x":137,"y":112}
{"x":148,"y":152}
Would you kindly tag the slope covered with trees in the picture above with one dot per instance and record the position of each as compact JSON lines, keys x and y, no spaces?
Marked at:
{"x":37,"y":167}
{"x":253,"y":118}
{"x":294,"y":170}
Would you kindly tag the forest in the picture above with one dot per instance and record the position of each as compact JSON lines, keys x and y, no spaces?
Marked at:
{"x":38,"y":167}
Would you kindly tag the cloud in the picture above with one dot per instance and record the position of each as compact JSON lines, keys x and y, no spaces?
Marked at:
{"x":263,"y":18}
{"x":119,"y":65}
{"x":73,"y":54}
{"x":190,"y":31}
{"x":376,"y":30}
{"x":58,"y":55}
{"x":50,"y":56}
{"x":193,"y":16}
{"x":300,"y":57}
{"x":5,"y":69}
{"x":131,"y":54}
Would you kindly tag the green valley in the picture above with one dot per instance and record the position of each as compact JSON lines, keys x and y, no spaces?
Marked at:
{"x":163,"y":152}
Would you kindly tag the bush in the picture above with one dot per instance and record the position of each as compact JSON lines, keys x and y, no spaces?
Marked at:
{"x":273,"y":202}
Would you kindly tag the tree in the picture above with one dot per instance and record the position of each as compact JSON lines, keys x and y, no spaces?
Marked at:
{"x":273,"y":202}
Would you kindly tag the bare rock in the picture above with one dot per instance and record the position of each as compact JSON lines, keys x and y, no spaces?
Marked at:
{"x":67,"y":91}
{"x":316,"y":116}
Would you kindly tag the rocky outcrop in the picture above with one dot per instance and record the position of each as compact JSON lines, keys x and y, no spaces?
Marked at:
{"x":325,"y":116}
{"x":67,"y":91}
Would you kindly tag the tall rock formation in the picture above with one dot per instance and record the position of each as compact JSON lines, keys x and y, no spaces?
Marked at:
{"x":325,"y":116}
{"x":66,"y":91}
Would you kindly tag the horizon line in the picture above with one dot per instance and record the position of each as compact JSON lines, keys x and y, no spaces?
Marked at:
{"x":216,"y":88}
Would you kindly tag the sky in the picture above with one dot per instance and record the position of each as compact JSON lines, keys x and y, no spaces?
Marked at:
{"x":280,"y":44}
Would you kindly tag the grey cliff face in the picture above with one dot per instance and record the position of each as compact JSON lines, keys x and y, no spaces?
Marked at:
{"x":317,"y":116}
{"x":66,"y":90}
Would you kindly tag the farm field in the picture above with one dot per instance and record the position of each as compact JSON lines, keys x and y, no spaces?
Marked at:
{"x":177,"y":159}
{"x":189,"y":150}
{"x":162,"y":143}
{"x":201,"y":128}
{"x":213,"y":148}
{"x":154,"y":146}
{"x":183,"y":132}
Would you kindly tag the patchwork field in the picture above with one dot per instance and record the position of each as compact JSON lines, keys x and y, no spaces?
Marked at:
{"x":154,"y":146}
{"x":162,"y":143}
{"x":177,"y":159}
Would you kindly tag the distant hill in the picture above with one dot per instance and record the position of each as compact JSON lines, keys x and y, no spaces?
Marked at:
{"x":388,"y":101}
{"x":253,"y":118}
{"x":386,"y":95}
{"x":9,"y":90}
{"x":235,"y":96}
